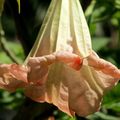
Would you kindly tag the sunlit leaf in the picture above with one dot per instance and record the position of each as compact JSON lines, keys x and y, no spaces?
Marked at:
{"x":18,"y":1}
{"x":99,"y":43}
{"x":117,"y":4}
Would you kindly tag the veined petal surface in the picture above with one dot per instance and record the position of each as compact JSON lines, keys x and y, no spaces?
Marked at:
{"x":64,"y":29}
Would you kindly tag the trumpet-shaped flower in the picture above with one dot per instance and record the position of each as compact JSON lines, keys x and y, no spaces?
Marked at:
{"x":62,"y":68}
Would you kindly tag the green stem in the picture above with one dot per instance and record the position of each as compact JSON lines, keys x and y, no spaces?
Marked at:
{"x":119,"y":36}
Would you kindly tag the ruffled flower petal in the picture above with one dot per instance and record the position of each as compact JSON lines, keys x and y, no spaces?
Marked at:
{"x":12,"y":76}
{"x":102,"y":65}
{"x":39,"y":65}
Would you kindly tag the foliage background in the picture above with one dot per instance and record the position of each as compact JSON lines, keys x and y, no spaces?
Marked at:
{"x":103,"y":17}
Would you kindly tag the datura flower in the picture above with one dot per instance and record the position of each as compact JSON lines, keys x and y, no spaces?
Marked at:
{"x":62,"y":68}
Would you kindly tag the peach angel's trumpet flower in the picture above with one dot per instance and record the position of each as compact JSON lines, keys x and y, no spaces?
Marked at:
{"x":63,"y":69}
{"x":64,"y":37}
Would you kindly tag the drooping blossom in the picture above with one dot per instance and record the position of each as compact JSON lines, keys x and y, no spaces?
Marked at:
{"x":72,"y":90}
{"x":62,"y":68}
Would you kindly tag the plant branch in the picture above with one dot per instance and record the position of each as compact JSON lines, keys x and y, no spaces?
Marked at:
{"x":7,"y":51}
{"x":4,"y":47}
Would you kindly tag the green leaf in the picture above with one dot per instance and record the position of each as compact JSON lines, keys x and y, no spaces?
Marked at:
{"x":112,"y":99}
{"x":99,"y":43}
{"x":18,"y":1}
{"x":102,"y":116}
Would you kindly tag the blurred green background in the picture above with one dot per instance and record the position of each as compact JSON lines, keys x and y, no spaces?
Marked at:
{"x":20,"y":31}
